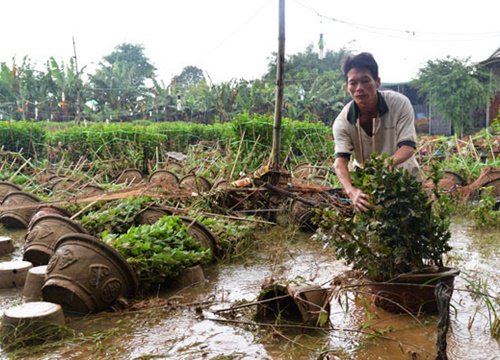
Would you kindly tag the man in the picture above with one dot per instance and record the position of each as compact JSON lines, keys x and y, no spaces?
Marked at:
{"x":375,"y":121}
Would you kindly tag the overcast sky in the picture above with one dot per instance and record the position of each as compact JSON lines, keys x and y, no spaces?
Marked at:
{"x":235,"y":38}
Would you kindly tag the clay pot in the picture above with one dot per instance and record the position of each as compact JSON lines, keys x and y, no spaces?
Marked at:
{"x":6,"y":187}
{"x":190,"y":276}
{"x":173,"y":166}
{"x":151,"y":215}
{"x":85,"y":275}
{"x":23,"y":320}
{"x":32,"y":290}
{"x":23,"y":208}
{"x":13,"y":273}
{"x":64,"y":184}
{"x":47,"y":209}
{"x":201,"y":233}
{"x":413,"y":293}
{"x":195,"y":183}
{"x":165,"y":177}
{"x":130,"y":177}
{"x":6,"y":246}
{"x":307,"y":304}
{"x":43,"y":235}
{"x":303,"y":170}
{"x":90,"y":190}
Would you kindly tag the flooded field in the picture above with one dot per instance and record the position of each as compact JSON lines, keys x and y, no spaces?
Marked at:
{"x":187,"y":323}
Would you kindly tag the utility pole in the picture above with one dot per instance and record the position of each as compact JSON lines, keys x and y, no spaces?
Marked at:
{"x":280,"y":67}
{"x":78,"y":99}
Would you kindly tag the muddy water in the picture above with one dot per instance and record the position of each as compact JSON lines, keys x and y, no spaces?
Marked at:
{"x":186,"y":324}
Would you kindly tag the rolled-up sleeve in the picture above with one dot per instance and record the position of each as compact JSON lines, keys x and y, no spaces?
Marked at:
{"x":343,"y":142}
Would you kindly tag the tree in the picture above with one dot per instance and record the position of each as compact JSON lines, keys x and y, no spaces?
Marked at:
{"x":190,"y":75}
{"x":454,"y":88}
{"x":313,"y":86}
{"x":121,"y":80}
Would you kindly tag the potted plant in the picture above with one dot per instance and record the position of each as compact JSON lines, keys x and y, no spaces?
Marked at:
{"x":400,"y":241}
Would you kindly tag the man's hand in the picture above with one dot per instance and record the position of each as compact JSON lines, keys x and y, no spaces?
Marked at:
{"x":359,"y":199}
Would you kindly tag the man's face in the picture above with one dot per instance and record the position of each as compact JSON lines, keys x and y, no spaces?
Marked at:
{"x":362,"y":87}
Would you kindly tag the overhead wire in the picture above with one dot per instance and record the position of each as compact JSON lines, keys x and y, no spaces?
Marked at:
{"x":393,"y":32}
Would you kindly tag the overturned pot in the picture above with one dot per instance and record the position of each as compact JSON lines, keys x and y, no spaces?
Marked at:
{"x":85,"y":275}
{"x":308,"y":304}
{"x":43,"y":235}
{"x":411,"y":292}
{"x":20,"y":208}
{"x":46,"y":209}
{"x":7,"y":187}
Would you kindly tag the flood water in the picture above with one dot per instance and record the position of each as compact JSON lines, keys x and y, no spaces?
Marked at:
{"x":187,"y":324}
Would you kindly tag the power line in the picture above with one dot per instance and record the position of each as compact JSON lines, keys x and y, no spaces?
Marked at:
{"x":386,"y":31}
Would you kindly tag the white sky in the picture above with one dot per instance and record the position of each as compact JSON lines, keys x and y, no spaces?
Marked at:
{"x":234,"y":38}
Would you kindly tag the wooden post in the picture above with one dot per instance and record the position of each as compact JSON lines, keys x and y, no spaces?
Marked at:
{"x":276,"y":149}
{"x":78,"y":98}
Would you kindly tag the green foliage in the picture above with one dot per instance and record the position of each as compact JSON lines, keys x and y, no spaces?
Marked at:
{"x":454,"y":88}
{"x":486,"y":215}
{"x":116,"y":218}
{"x":234,"y":237}
{"x":159,"y":252}
{"x":403,"y":230}
{"x":23,"y":135}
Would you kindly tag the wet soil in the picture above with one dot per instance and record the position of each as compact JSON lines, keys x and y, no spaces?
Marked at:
{"x":187,"y":324}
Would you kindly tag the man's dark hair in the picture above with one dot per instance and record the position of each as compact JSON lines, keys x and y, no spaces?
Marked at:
{"x":363,"y":60}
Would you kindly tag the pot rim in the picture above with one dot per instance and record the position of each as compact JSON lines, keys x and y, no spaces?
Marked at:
{"x":189,"y":221}
{"x":64,"y":219}
{"x":27,"y":194}
{"x":421,"y":278}
{"x":129,"y":272}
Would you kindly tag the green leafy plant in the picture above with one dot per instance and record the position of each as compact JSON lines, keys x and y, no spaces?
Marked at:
{"x":404,"y":230}
{"x":485,"y":215}
{"x":160,"y":251}
{"x":116,"y":218}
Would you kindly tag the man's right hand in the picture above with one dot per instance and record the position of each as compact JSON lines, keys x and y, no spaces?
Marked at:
{"x":359,"y":199}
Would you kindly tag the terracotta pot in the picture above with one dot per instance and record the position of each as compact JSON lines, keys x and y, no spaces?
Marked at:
{"x":47,"y":209}
{"x":303,"y":170}
{"x":130,"y":177}
{"x":6,"y":246}
{"x":30,"y":318}
{"x":165,"y":177}
{"x":13,"y":273}
{"x":190,"y":276}
{"x":64,"y":184}
{"x":412,"y":293}
{"x":90,"y":190}
{"x":85,"y":275}
{"x":151,"y":215}
{"x":43,"y":235}
{"x":32,"y":290}
{"x":22,"y":206}
{"x":173,"y":166}
{"x":308,"y":304}
{"x":6,"y":187}
{"x":201,"y":233}
{"x":195,"y":183}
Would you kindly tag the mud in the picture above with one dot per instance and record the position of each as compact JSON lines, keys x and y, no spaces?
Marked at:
{"x":185,"y":323}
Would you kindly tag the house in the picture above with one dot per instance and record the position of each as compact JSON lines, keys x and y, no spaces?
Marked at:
{"x":492,"y":65}
{"x":429,"y":121}
{"x":426,"y":120}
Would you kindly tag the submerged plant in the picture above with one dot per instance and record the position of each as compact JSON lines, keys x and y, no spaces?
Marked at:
{"x":404,"y":230}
